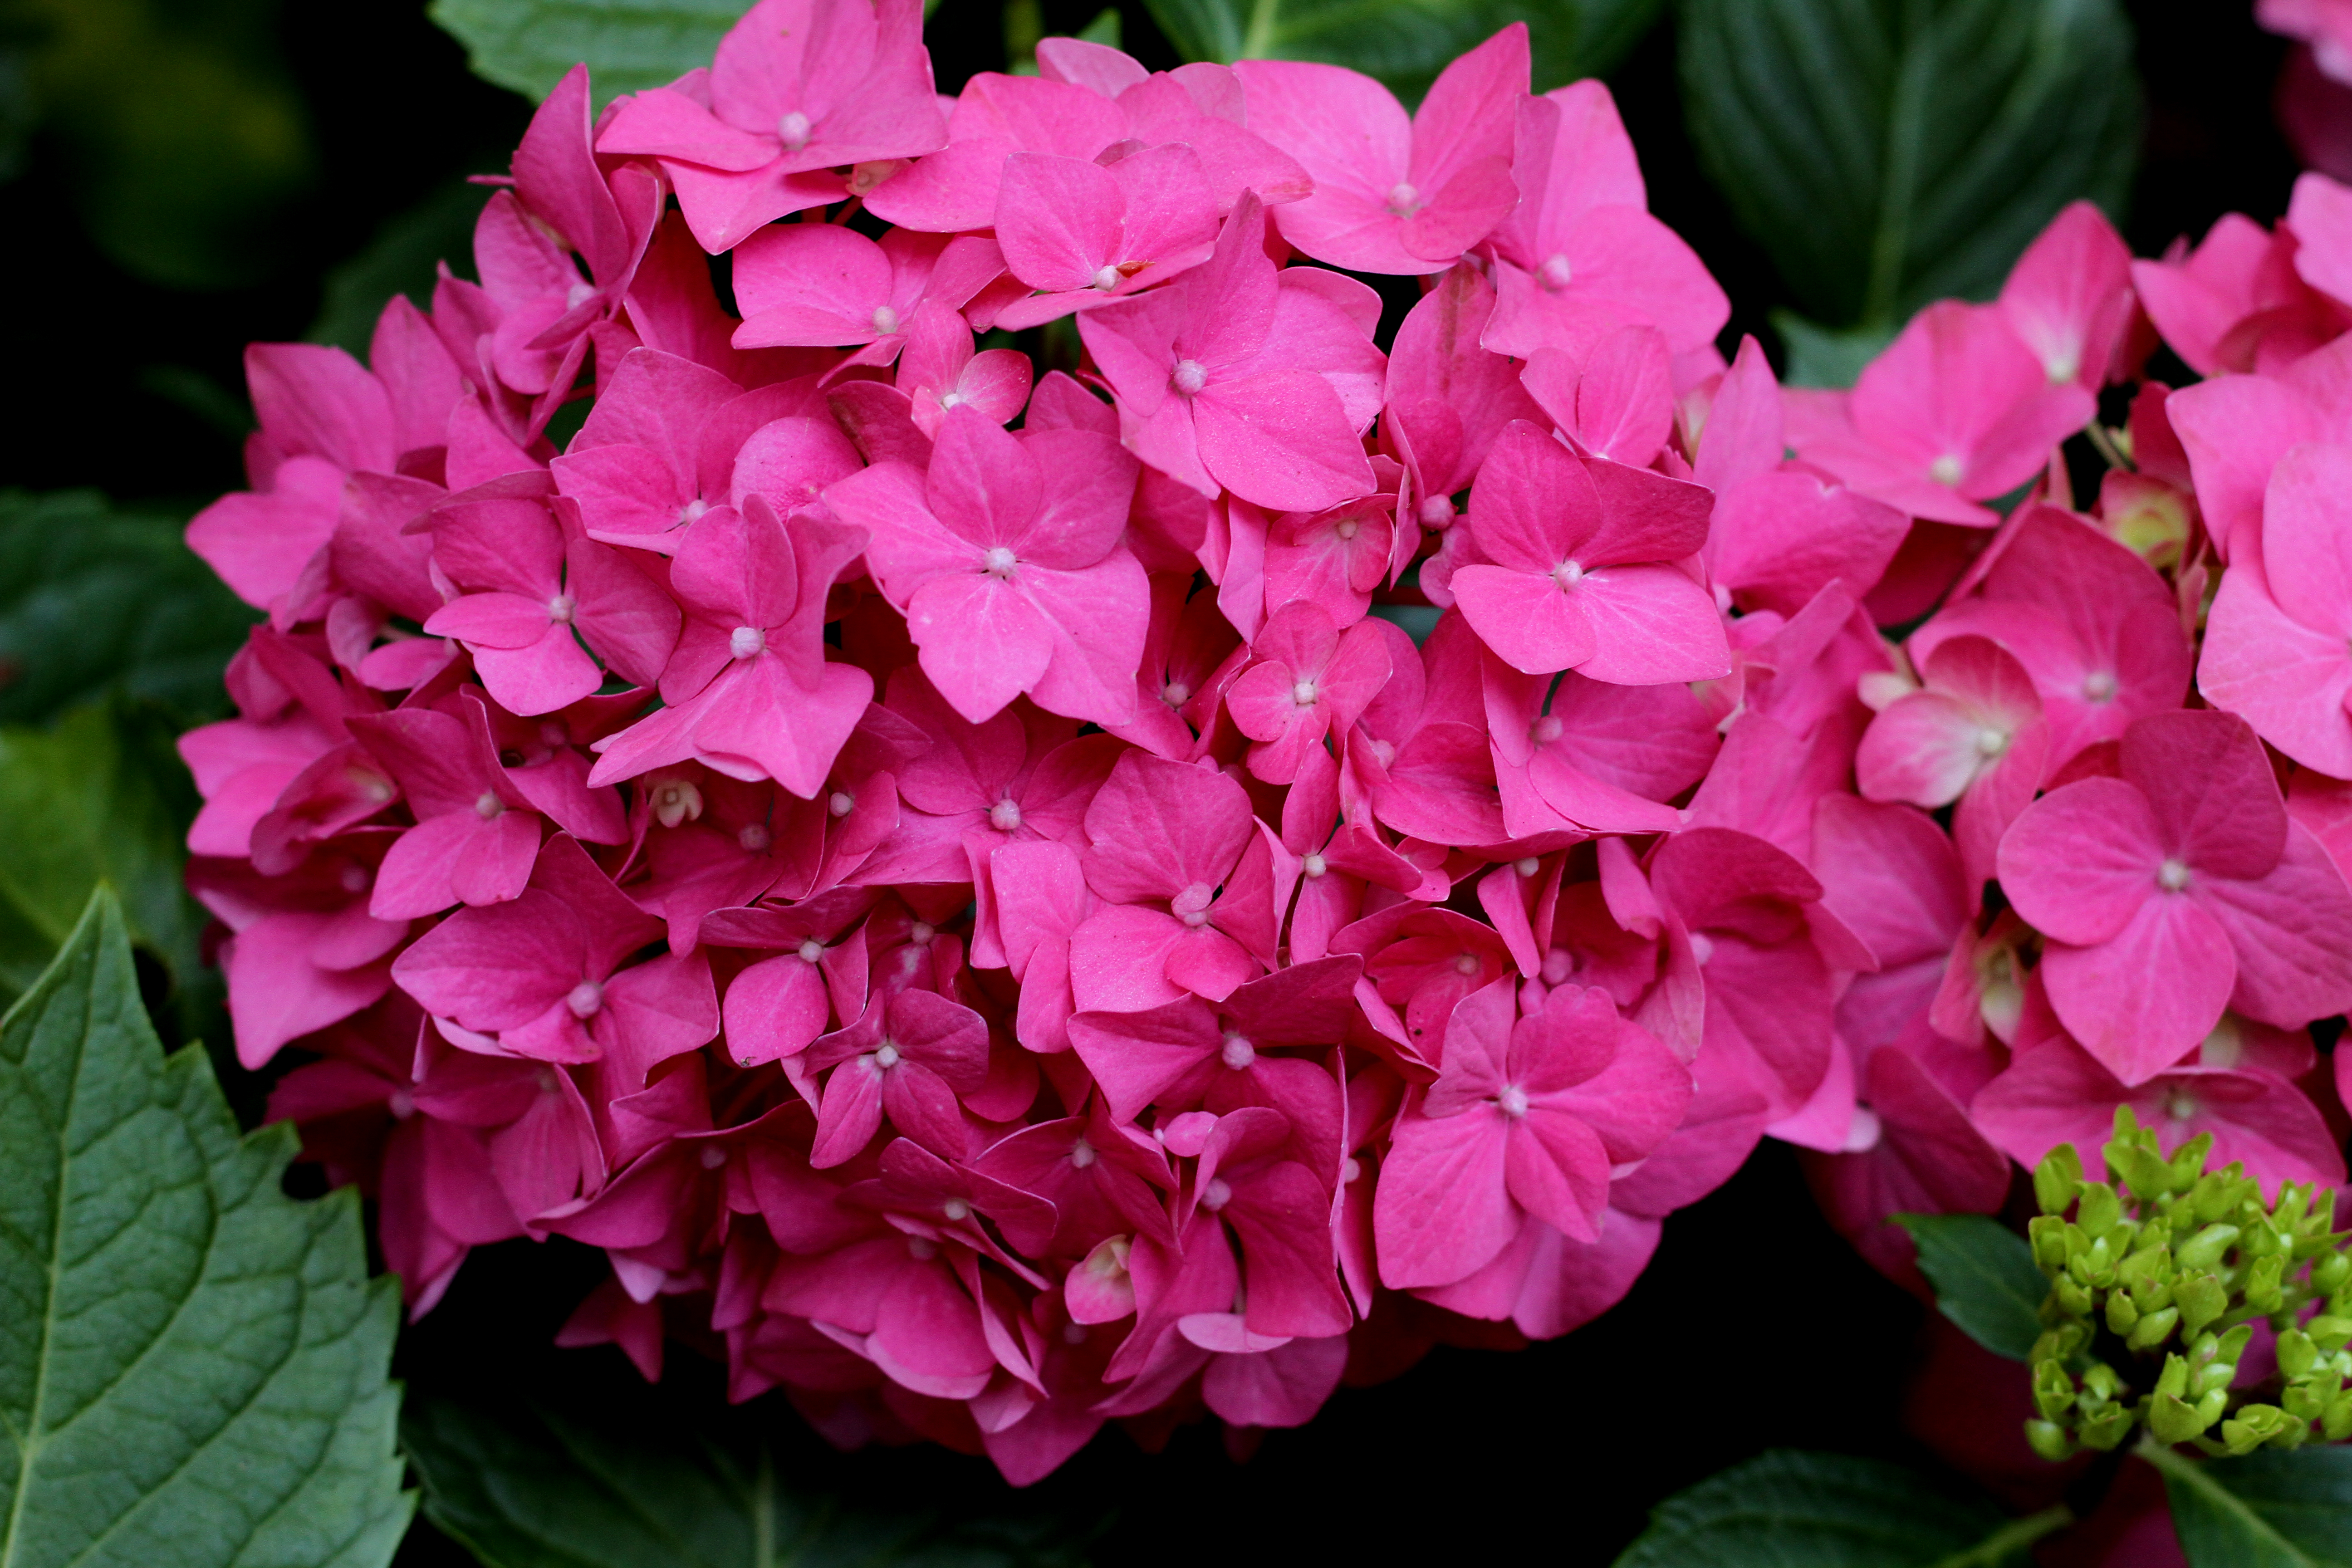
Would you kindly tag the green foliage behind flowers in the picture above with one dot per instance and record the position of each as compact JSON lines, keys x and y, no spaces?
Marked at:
{"x":2166,"y":1258}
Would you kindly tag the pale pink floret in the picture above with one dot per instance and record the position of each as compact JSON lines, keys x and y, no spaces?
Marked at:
{"x":1393,"y":194}
{"x":799,"y":87}
{"x":1973,"y":733}
{"x":1579,"y":579}
{"x":1955,"y":412}
{"x":2278,"y":644}
{"x":1526,"y":1118}
{"x":1310,"y":680}
{"x":2069,"y":297}
{"x":1007,"y":562}
{"x":2176,"y":890}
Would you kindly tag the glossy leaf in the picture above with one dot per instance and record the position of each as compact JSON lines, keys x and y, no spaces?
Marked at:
{"x":1985,"y":1278}
{"x":193,"y":1365}
{"x":94,"y":598}
{"x":1406,"y":43}
{"x":629,"y":45}
{"x":1785,"y":1507}
{"x":523,"y":1486}
{"x":1887,"y":153}
{"x":2273,"y":1508}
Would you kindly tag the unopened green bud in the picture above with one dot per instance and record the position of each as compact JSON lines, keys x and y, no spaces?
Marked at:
{"x":2213,"y":1374}
{"x":2209,"y":1406}
{"x":2204,"y":1249}
{"x":2254,"y":1425}
{"x":2073,"y":1298}
{"x":2329,"y":1333}
{"x":2060,"y":1344}
{"x":2213,"y":1196}
{"x":2232,"y":1345}
{"x":2187,"y":1161}
{"x":2200,"y":1301}
{"x":2154,"y":1329}
{"x":2057,"y":1179}
{"x":2121,"y":1313}
{"x":2053,"y":1390}
{"x":2337,"y":1425}
{"x":2329,"y":1273}
{"x":2263,"y":1290}
{"x":2305,"y":1405}
{"x":2107,"y":1428}
{"x":2171,"y":1420}
{"x":2294,"y":1202}
{"x":2048,"y":1234}
{"x":2101,"y":1381}
{"x":2099,"y":1209}
{"x":2174,"y":1382}
{"x":2049,"y":1439}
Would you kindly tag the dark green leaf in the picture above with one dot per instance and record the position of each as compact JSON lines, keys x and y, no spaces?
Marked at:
{"x":1791,"y":1509}
{"x":98,"y":797}
{"x":1888,"y":153}
{"x":1406,"y":43}
{"x":191,"y":1363}
{"x":525,"y":1486}
{"x":629,"y":45}
{"x":1819,"y":357}
{"x":1985,"y":1278}
{"x":94,"y":599}
{"x":403,"y":258}
{"x":2272,"y":1509}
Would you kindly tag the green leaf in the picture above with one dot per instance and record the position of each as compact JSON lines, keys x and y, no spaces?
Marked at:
{"x":629,"y":45}
{"x":191,"y":1363}
{"x":1820,"y":356}
{"x":2273,"y":1508}
{"x":1888,"y":153}
{"x":403,"y":258}
{"x":92,"y":800}
{"x":1791,"y":1509}
{"x":94,"y":599}
{"x":1406,"y":43}
{"x":1985,"y":1278}
{"x":642,"y":1487}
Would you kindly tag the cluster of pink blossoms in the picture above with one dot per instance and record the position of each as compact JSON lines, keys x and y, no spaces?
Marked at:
{"x":988,"y":931}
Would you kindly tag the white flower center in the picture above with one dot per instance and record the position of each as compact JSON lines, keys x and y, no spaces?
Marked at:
{"x":1547,"y":730}
{"x":2180,"y":1105}
{"x":1004,"y":815}
{"x":1555,"y":272}
{"x":754,"y":837}
{"x":1175,"y":694}
{"x":1303,"y":694}
{"x":999,"y":561}
{"x":488,"y":805}
{"x":1106,"y":280}
{"x":1346,"y":528}
{"x":747,"y":642}
{"x":1567,"y":575}
{"x":921,"y":933}
{"x":1436,"y":511}
{"x":1315,"y":865}
{"x":1190,"y":377}
{"x":1237,"y":1053}
{"x":792,"y":130}
{"x":560,"y":608}
{"x":1513,"y":1101}
{"x":1082,"y":1154}
{"x":578,"y":295}
{"x":1528,"y":866}
{"x":676,"y":801}
{"x":1404,"y":200}
{"x":584,"y":999}
{"x":1946,"y":469}
{"x":841,"y":803}
{"x":1216,"y":1194}
{"x":1466,"y":964}
{"x":1991,"y":743}
{"x":922,"y":1248}
{"x":2099,"y":686}
{"x":2172,"y":876}
{"x":956,"y":1209}
{"x":885,"y":319}
{"x":812,"y":950}
{"x":713,"y":1156}
{"x":886,"y":1054}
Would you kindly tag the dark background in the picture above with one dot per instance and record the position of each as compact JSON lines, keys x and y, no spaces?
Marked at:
{"x":1756,"y":1327}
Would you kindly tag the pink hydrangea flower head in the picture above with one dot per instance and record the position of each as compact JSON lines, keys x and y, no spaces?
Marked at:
{"x":1580,"y":254}
{"x":2276,"y":649}
{"x":799,"y":87}
{"x":1579,"y":576}
{"x":1393,"y":194}
{"x":1243,"y":377}
{"x":1006,"y":559}
{"x":1955,"y":412}
{"x":2174,"y":891}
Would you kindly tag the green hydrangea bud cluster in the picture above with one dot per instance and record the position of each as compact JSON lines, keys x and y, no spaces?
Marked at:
{"x":2166,"y":1259}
